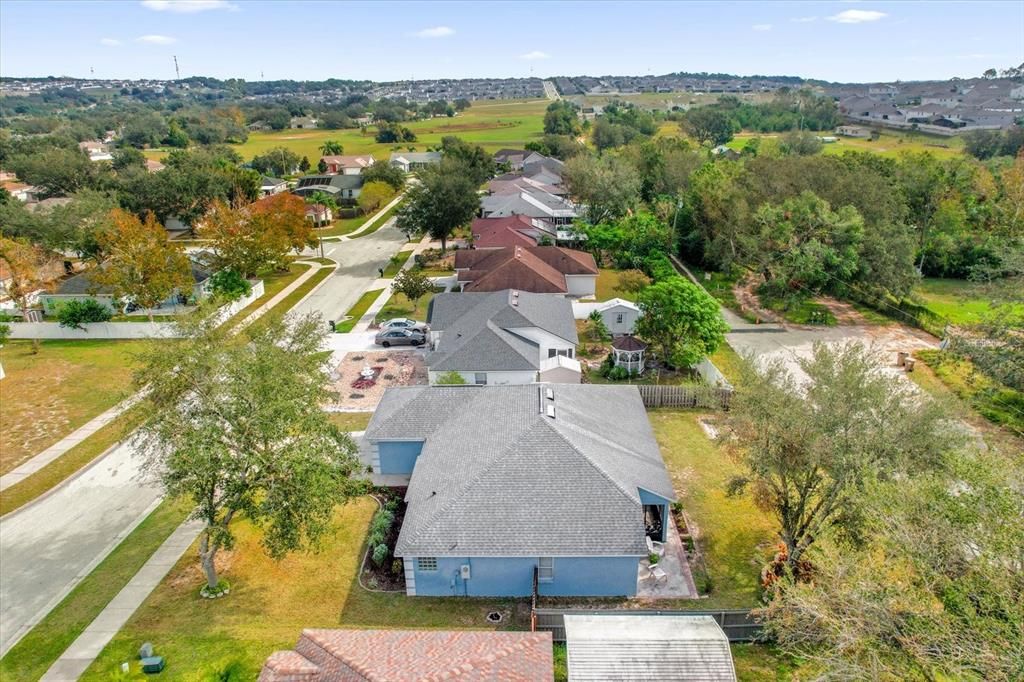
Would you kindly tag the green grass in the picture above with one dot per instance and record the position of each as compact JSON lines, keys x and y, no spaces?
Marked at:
{"x":399,"y":306}
{"x":343,"y":226}
{"x":494,"y":124}
{"x":71,"y":461}
{"x":350,"y":421}
{"x":734,"y":533}
{"x":34,"y":654}
{"x":994,"y":401}
{"x":272,"y":601}
{"x":561,"y":663}
{"x":799,"y":310}
{"x":357,"y":311}
{"x":728,"y":363}
{"x":606,"y":286}
{"x":958,"y":301}
{"x":292,"y":299}
{"x":763,"y":663}
{"x":396,"y":263}
{"x":46,"y":396}
{"x":892,"y":143}
{"x":380,"y":221}
{"x":273,"y":283}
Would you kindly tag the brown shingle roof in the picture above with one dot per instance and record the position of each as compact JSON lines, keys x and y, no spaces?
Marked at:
{"x":489,"y":233}
{"x":398,"y":655}
{"x":537,"y":269}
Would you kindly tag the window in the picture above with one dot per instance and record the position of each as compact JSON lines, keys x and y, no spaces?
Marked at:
{"x":427,"y":563}
{"x":551,"y":352}
{"x":545,"y":569}
{"x":480,"y":378}
{"x":619,"y":317}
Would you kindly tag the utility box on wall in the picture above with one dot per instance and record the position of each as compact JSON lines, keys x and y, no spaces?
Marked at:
{"x":464,"y":572}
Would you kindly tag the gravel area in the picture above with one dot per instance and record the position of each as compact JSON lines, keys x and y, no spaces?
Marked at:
{"x":390,"y":368}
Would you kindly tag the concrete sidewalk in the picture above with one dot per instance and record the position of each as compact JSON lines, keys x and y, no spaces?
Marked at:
{"x":84,"y":650}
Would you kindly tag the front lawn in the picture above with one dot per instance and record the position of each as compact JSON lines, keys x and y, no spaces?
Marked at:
{"x":48,"y":395}
{"x":273,"y":283}
{"x":357,"y":310}
{"x":399,"y":306}
{"x":272,"y":601}
{"x":350,"y":421}
{"x":300,"y":292}
{"x":734,"y":534}
{"x":396,"y":263}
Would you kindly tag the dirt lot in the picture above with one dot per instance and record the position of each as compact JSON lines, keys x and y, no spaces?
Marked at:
{"x":390,"y":368}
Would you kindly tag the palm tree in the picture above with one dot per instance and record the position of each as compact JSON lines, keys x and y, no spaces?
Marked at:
{"x":331,"y":147}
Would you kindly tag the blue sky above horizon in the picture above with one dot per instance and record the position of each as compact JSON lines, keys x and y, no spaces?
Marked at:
{"x":383,"y":41}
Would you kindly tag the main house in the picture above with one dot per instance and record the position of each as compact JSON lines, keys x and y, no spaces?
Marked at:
{"x":565,"y":482}
{"x":516,"y":230}
{"x":536,"y":269}
{"x":502,"y":337}
{"x":344,"y":188}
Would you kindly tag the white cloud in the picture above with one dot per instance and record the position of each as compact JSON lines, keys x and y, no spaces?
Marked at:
{"x":857,"y":16}
{"x":187,"y":6}
{"x":803,"y":20}
{"x":535,"y":55}
{"x":762,"y":27}
{"x":110,"y":42}
{"x":156,"y":40}
{"x":435,"y":32}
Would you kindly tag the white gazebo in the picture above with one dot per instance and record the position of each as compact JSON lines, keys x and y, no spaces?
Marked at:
{"x":628,"y":352}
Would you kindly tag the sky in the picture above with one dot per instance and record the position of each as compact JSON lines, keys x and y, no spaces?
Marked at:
{"x":386,"y":41}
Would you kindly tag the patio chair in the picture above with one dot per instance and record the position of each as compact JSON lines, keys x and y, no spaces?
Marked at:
{"x":659,"y":574}
{"x":655,"y":547}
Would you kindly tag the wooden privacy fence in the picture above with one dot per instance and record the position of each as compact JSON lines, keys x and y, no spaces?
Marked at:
{"x":739,"y":625}
{"x":708,"y":397}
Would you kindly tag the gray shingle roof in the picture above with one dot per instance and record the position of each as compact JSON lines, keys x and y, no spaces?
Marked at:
{"x":498,"y":477}
{"x":475,"y":329}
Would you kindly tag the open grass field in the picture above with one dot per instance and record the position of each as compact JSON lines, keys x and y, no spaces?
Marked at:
{"x":33,"y":655}
{"x":958,"y":301}
{"x":272,"y":601}
{"x":494,"y":124}
{"x":735,"y":534}
{"x":891,"y":143}
{"x":46,"y":396}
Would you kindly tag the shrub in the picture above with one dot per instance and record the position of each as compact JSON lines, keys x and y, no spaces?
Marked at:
{"x":451,"y":378}
{"x":76,"y":312}
{"x":380,"y":554}
{"x":652,"y":558}
{"x":618,"y":373}
{"x":230,"y":284}
{"x":397,"y":567}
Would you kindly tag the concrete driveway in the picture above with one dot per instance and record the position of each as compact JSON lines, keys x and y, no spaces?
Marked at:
{"x":358,"y":261}
{"x":47,"y":547}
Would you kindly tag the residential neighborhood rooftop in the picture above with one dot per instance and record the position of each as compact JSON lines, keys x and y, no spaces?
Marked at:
{"x":538,"y":269}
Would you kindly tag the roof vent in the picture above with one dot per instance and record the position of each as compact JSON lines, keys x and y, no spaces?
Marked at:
{"x":551,"y":411}
{"x":550,"y":393}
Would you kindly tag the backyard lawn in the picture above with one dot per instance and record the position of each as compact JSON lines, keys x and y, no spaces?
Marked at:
{"x":272,"y":601}
{"x":734,"y":534}
{"x":607,"y":283}
{"x":46,"y":396}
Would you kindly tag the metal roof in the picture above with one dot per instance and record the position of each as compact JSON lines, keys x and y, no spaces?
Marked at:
{"x":647,"y":647}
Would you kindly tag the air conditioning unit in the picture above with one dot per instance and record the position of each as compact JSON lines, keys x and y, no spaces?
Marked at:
{"x":464,"y":571}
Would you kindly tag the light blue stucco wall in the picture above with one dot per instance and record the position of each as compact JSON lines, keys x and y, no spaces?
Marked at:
{"x":647,"y":497}
{"x":398,"y":457}
{"x":513,"y":577}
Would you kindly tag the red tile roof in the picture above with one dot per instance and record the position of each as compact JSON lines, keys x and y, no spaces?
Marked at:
{"x":399,"y":655}
{"x":537,"y":269}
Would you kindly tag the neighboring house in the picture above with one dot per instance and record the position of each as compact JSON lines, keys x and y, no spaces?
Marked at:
{"x":560,"y":481}
{"x":513,"y":158}
{"x":725,"y":152}
{"x":536,"y":269}
{"x":319,"y":214}
{"x":270,"y":186}
{"x":82,"y":286}
{"x":502,"y":337}
{"x":413,"y":161}
{"x":647,"y":647}
{"x":511,"y":183}
{"x":96,"y":150}
{"x":154,"y":166}
{"x":516,"y":230}
{"x":20,"y":190}
{"x":395,"y":655}
{"x":530,"y":203}
{"x":618,"y":314}
{"x":344,"y":188}
{"x":304,"y":122}
{"x":543,"y":168}
{"x":853,"y":131}
{"x":347,"y":165}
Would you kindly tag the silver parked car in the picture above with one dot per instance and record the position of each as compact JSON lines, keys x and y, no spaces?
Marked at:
{"x":399,"y":337}
{"x":404,"y":323}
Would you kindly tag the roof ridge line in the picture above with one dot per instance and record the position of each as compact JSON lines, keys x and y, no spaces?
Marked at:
{"x":592,"y":463}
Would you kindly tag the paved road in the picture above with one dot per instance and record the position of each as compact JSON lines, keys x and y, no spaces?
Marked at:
{"x":358,"y":260}
{"x":47,"y":547}
{"x":551,"y":91}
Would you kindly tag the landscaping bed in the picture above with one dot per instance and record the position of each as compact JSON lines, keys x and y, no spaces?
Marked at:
{"x":390,"y":368}
{"x":381,"y":570}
